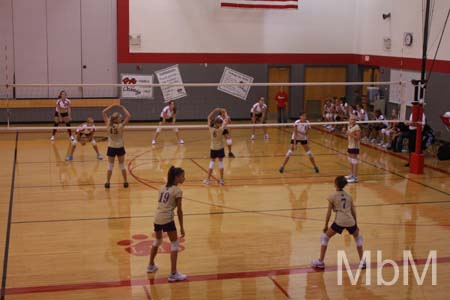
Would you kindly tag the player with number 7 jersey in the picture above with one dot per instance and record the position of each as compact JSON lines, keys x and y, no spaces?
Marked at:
{"x":342,"y":204}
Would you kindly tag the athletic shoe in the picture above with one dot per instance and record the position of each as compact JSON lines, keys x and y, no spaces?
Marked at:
{"x":231,"y":155}
{"x":281,"y":169}
{"x":380,"y":143}
{"x":348,"y":176}
{"x":354,"y":179}
{"x":52,"y":138}
{"x":107,"y":185}
{"x":181,"y":142}
{"x":177,"y":276}
{"x":252,"y":137}
{"x":153,"y":142}
{"x":266,"y":136}
{"x":152,"y":268}
{"x":99,"y":157}
{"x":69,"y":158}
{"x":316,"y":170}
{"x":221,"y":182}
{"x":318,"y":264}
{"x":206,"y":181}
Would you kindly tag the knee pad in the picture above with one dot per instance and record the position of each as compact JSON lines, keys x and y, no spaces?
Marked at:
{"x":220,"y":164}
{"x":55,"y":124}
{"x":324,"y":239}
{"x":229,"y":142}
{"x":158,"y":130}
{"x":157,"y":242}
{"x":176,"y":130}
{"x":308,"y":153}
{"x":354,"y":161}
{"x":211,"y":164}
{"x":289,"y":153}
{"x":93,"y":142}
{"x":383,"y":131}
{"x":174,"y":246}
{"x":110,"y":166}
{"x":122,"y":166}
{"x":74,"y":142}
{"x":67,"y":124}
{"x":359,"y":240}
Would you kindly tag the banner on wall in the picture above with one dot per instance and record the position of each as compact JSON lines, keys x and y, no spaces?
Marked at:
{"x":171,"y":75}
{"x":233,"y":76}
{"x":131,"y":91}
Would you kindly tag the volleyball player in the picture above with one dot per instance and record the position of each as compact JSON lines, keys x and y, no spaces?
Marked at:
{"x":84,"y":134}
{"x":63,"y":114}
{"x":258,"y":115}
{"x":354,"y":138}
{"x":300,"y":135}
{"x":168,"y":115}
{"x":170,"y":196}
{"x":342,"y":204}
{"x":223,"y":114}
{"x":114,"y":128}
{"x":216,"y":129}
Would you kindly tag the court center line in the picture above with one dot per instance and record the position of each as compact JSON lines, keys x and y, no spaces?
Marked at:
{"x":147,"y":293}
{"x":151,"y":280}
{"x":279,"y":287}
{"x":203,"y":169}
{"x":8,"y":227}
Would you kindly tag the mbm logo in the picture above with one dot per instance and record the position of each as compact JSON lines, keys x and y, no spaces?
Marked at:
{"x":408,"y":260}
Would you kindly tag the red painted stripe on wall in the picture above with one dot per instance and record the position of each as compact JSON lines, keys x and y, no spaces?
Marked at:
{"x":258,"y":6}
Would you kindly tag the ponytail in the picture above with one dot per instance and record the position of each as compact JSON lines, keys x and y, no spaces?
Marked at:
{"x":172,"y":174}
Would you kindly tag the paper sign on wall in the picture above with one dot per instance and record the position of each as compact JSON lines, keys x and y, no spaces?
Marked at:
{"x":233,"y":76}
{"x":131,"y":91}
{"x":171,"y":75}
{"x":402,"y":94}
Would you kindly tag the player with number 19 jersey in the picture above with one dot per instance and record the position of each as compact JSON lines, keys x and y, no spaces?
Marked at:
{"x":167,"y":202}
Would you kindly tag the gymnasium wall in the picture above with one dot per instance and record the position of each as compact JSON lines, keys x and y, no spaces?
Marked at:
{"x":53,"y":41}
{"x":406,"y":16}
{"x":202,"y":26}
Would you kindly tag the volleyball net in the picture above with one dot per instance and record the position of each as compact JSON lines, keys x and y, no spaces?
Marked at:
{"x":325,"y":103}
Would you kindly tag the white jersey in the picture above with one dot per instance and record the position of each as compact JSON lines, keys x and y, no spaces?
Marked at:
{"x":362,"y":116}
{"x":85,"y":129}
{"x":301,"y":129}
{"x":62,"y":105}
{"x":381,"y":118}
{"x":257,"y":109}
{"x":166,"y":110}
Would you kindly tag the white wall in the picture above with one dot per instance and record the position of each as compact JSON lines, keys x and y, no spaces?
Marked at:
{"x":406,"y":16}
{"x":50,"y":41}
{"x":325,"y":26}
{"x":199,"y":26}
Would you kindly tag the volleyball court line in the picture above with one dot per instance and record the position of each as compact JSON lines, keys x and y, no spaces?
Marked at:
{"x":197,"y":278}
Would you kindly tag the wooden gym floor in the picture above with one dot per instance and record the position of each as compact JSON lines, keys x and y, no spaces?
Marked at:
{"x":254,"y":238}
